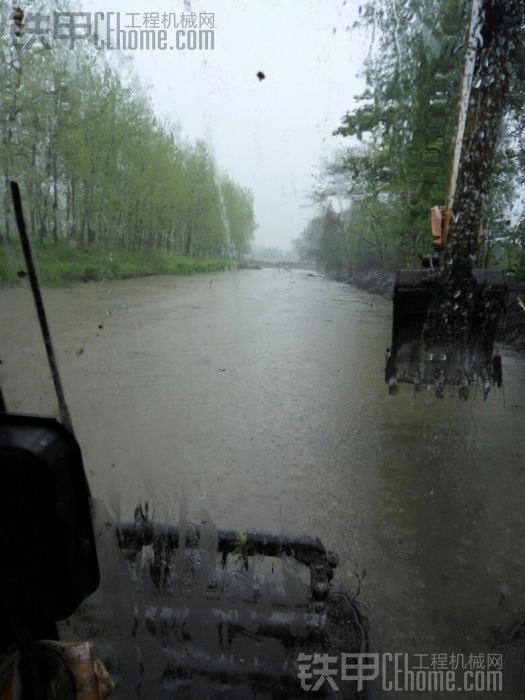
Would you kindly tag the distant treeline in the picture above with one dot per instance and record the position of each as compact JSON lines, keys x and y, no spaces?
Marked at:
{"x":374,"y":198}
{"x":96,"y":166}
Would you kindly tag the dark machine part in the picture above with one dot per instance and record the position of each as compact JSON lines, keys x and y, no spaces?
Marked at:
{"x":462,"y":359}
{"x":446,"y":317}
{"x":46,"y":536}
{"x":39,"y":306}
{"x":216,"y":618}
{"x":49,"y":559}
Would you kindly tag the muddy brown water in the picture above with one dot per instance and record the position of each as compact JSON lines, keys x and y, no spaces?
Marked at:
{"x":258,"y":395}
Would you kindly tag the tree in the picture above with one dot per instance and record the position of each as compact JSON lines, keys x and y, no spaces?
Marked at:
{"x":402,"y":132}
{"x":96,"y":165}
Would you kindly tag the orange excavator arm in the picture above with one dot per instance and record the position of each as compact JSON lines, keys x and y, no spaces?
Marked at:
{"x":446,"y":316}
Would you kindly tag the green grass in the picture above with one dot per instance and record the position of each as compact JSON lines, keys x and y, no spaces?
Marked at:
{"x":60,"y":264}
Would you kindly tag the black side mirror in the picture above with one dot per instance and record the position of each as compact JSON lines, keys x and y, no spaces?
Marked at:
{"x":47,"y":547}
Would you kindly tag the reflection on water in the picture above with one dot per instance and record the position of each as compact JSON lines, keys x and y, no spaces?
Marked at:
{"x":259,"y":395}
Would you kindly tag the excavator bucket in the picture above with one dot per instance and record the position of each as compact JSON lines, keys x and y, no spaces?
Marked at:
{"x":446,"y":316}
{"x":428,"y":349}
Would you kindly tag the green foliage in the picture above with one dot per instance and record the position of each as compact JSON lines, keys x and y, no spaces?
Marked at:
{"x":243,"y":549}
{"x":401,"y":135}
{"x":61,"y":263}
{"x":97,"y":168}
{"x":238,"y":206}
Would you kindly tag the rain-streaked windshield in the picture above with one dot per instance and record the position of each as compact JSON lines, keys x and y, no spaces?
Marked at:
{"x":281,"y":252}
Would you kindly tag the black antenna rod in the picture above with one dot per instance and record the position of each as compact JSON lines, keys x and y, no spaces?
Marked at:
{"x":39,"y":303}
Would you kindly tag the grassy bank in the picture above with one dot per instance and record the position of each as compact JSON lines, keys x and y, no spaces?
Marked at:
{"x":60,"y":264}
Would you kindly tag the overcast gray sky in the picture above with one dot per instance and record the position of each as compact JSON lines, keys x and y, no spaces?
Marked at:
{"x":269,"y":135}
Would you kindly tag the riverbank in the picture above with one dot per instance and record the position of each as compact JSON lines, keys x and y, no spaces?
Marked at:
{"x":60,"y":264}
{"x":512,"y":331}
{"x":262,"y":405}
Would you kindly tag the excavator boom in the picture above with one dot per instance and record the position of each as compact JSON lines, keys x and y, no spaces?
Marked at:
{"x":446,"y":315}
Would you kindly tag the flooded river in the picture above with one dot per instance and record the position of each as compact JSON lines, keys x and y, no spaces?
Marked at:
{"x":259,"y":396}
